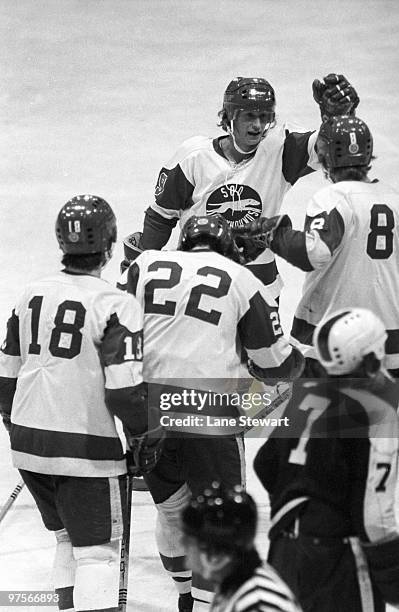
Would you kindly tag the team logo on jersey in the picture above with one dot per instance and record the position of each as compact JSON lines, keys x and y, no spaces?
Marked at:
{"x":160,"y":186}
{"x":353,"y":147}
{"x":238,"y":204}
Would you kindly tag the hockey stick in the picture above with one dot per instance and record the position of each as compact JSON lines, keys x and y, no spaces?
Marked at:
{"x":11,"y":499}
{"x":125,"y":548}
{"x":282,"y":397}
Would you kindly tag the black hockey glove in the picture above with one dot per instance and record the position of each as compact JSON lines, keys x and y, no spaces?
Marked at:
{"x":144,"y":451}
{"x":335,"y":96}
{"x":262,"y":231}
{"x":132,"y":249}
{"x":249,"y":248}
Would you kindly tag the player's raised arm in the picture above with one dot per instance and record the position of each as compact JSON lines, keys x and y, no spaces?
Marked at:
{"x":343,"y":143}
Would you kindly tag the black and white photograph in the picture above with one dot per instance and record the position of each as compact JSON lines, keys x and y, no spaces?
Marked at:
{"x":199,"y":305}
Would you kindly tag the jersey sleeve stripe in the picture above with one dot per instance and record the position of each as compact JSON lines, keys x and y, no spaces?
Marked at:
{"x":11,"y":344}
{"x":392,"y":343}
{"x":272,"y":356}
{"x":132,"y":276}
{"x":7,"y":392}
{"x":255,"y":326}
{"x":265,"y":272}
{"x":296,"y":156}
{"x":167,"y":213}
{"x":122,"y":375}
{"x":121,"y":344}
{"x":9,"y":365}
{"x":317,"y":251}
{"x":302,"y":331}
{"x":173,"y":192}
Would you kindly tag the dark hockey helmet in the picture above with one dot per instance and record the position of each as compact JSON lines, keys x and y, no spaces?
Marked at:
{"x":344,"y":141}
{"x":85,"y":224}
{"x":213,"y":231}
{"x":249,"y":94}
{"x":222,"y":518}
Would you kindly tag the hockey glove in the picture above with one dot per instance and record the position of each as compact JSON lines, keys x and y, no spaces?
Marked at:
{"x":262,"y":230}
{"x":144,"y":451}
{"x":335,"y":96}
{"x":248,"y":248}
{"x":132,"y":249}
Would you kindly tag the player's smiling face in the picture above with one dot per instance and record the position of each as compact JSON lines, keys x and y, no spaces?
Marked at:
{"x":249,"y":126}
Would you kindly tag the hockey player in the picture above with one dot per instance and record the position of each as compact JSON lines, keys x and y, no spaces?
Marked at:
{"x":65,"y":333}
{"x":219,"y":530}
{"x":244,"y":173}
{"x":349,"y":246}
{"x":201,"y":309}
{"x":332,"y":480}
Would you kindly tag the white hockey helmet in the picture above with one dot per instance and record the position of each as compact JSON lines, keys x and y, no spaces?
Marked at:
{"x":346,"y":336}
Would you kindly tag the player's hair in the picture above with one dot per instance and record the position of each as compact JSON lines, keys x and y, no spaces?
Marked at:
{"x":221,"y":519}
{"x":350,"y":173}
{"x":85,"y":263}
{"x":224,"y":121}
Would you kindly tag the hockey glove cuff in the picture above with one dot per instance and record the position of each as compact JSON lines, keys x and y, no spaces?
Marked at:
{"x":260,"y":233}
{"x":144,"y":451}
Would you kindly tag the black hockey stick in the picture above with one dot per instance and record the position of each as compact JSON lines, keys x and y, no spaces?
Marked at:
{"x":11,"y":499}
{"x":125,"y":548}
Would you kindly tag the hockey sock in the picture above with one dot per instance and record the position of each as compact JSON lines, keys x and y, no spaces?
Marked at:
{"x":64,"y":571}
{"x":168,"y":536}
{"x":97,"y":577}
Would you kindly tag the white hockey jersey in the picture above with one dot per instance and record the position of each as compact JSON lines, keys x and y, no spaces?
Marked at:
{"x":200,"y":310}
{"x":199,"y":180}
{"x":67,"y":331}
{"x":351,"y":244}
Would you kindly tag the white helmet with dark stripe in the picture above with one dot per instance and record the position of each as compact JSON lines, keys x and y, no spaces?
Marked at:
{"x":345,"y":337}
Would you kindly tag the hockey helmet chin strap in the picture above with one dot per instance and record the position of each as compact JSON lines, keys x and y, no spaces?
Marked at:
{"x":230,"y":130}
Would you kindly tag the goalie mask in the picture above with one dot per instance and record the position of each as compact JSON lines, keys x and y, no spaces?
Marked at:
{"x":223,"y":519}
{"x":213,"y":231}
{"x":85,"y":224}
{"x":343,"y":339}
{"x":344,"y":141}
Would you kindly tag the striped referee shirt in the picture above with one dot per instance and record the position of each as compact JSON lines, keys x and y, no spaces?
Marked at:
{"x":263,"y":591}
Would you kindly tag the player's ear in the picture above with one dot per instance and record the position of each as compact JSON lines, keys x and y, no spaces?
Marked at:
{"x":371,"y":364}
